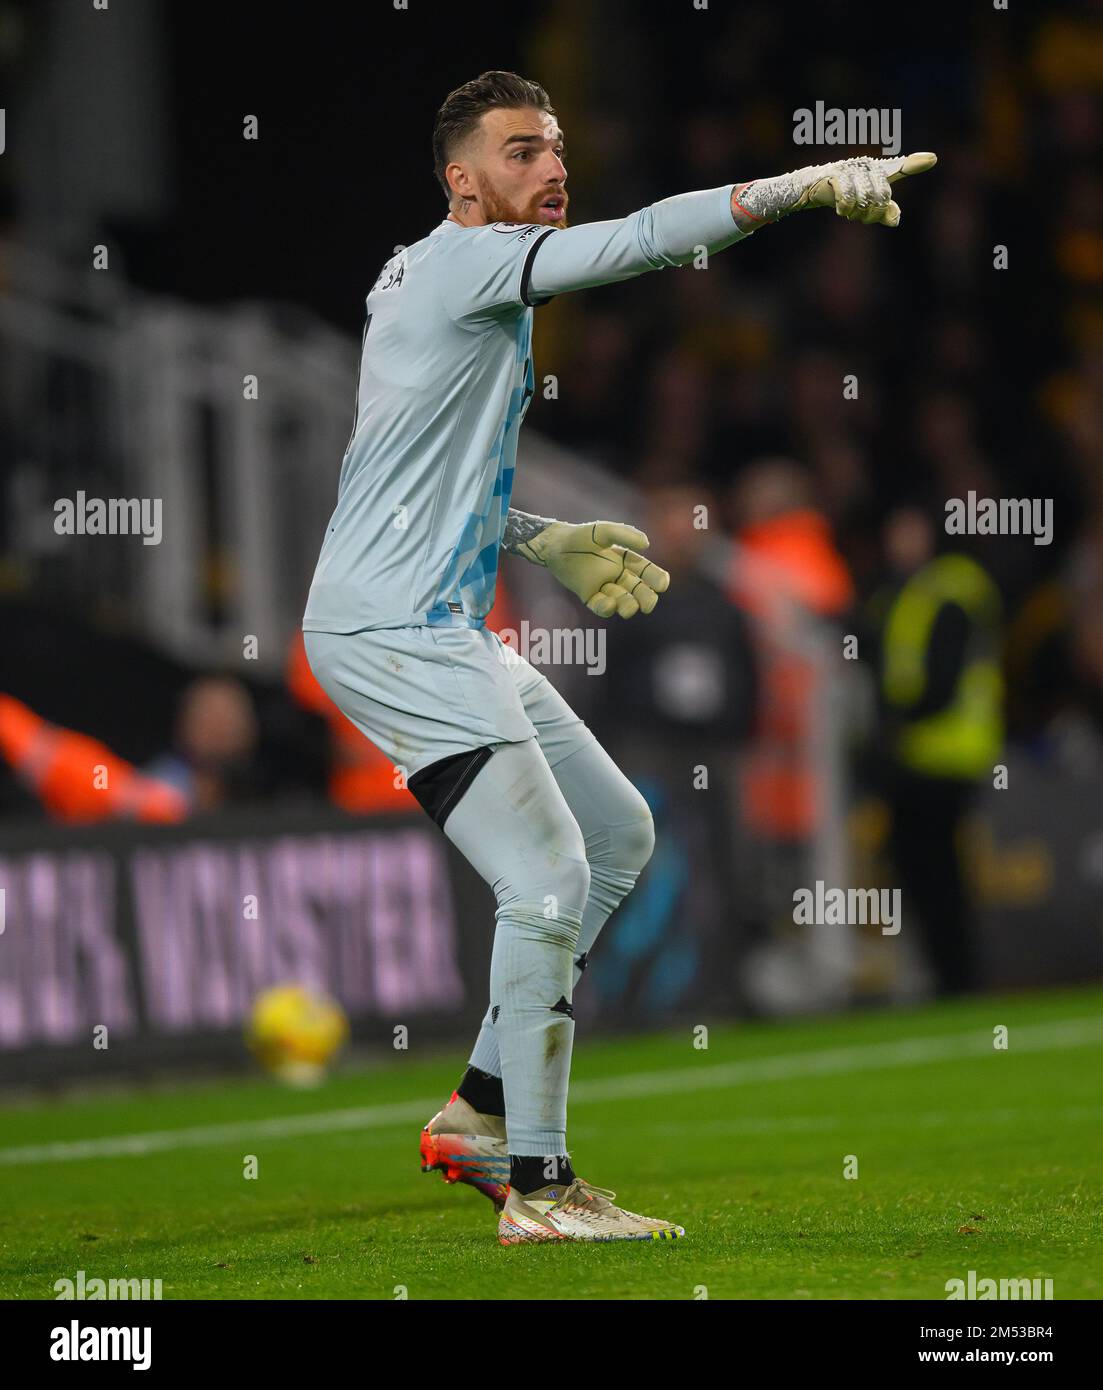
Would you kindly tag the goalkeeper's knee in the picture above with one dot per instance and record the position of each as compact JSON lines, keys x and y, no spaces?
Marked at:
{"x":632,"y":842}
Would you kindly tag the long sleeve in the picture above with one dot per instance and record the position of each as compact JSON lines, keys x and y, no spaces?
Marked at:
{"x":601,"y":253}
{"x":511,"y":265}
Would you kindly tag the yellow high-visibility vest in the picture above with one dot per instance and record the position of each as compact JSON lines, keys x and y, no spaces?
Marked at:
{"x":963,"y":739}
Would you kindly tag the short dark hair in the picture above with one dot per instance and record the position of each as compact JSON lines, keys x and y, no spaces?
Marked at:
{"x":464,"y":108}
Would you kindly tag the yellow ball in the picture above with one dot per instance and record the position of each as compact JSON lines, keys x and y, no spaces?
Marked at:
{"x":296,"y":1032}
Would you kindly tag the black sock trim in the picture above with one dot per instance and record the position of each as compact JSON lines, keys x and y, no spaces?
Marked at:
{"x":527,"y":1172}
{"x":483,"y":1092}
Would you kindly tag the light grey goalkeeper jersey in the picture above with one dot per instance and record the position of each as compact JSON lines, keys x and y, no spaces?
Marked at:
{"x":445,"y":380}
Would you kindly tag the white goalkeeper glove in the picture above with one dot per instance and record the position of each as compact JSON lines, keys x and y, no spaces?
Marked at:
{"x":858,"y":189}
{"x":598,"y":561}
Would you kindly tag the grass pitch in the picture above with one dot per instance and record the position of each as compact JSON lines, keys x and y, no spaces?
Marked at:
{"x":968,"y":1157}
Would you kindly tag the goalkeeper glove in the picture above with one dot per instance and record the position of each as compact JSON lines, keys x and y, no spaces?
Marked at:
{"x":595,"y":562}
{"x":858,"y":189}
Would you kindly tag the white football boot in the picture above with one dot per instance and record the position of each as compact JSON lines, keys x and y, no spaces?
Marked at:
{"x":576,"y":1211}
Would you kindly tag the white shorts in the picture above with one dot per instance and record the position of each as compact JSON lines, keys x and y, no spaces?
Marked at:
{"x":425,"y":693}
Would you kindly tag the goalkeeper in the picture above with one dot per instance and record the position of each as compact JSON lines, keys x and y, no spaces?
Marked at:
{"x":395,"y":624}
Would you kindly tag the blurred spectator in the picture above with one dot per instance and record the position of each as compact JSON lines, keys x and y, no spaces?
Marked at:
{"x":77,"y":778}
{"x":937,"y":633}
{"x":785,"y":569}
{"x":1055,"y":660}
{"x":1075,"y":733}
{"x":213,"y":758}
{"x":786,"y":551}
{"x":674,"y":708}
{"x":685,"y":676}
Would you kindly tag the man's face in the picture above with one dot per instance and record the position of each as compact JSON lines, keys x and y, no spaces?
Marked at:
{"x":909,"y":540}
{"x":513,"y":170}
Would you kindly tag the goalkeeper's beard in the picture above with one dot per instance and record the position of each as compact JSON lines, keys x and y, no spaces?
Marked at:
{"x":496,"y":208}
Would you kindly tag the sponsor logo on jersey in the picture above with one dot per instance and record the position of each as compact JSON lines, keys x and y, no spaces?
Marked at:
{"x":529,"y":228}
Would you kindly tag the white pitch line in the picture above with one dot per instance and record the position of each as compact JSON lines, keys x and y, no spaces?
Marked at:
{"x":929,"y":1119}
{"x":1041,"y":1037}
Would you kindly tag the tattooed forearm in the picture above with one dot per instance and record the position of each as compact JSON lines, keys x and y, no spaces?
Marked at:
{"x":521,"y":528}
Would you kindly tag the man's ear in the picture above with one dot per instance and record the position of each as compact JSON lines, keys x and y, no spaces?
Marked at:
{"x":460,"y":182}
